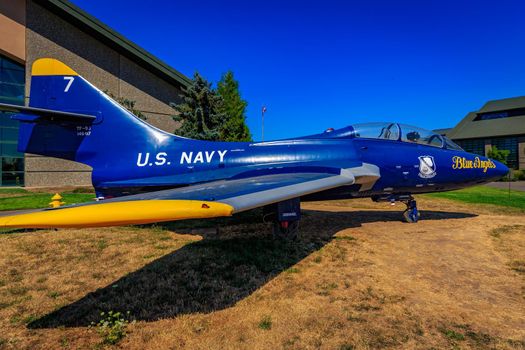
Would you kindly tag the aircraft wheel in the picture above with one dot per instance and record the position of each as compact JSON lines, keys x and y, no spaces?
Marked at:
{"x":286,"y":230}
{"x":411,"y":215}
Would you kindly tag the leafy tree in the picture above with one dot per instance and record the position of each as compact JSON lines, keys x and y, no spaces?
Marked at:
{"x":235,"y":128}
{"x":498,"y":154}
{"x":201,"y":112}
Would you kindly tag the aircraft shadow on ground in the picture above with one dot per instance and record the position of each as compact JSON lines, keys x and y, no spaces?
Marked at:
{"x":214,"y":274}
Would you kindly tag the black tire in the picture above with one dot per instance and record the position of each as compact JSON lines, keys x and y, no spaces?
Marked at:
{"x":289,"y":233}
{"x":408,"y":218}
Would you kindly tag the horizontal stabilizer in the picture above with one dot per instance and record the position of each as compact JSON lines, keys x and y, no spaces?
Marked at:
{"x":32,"y":114}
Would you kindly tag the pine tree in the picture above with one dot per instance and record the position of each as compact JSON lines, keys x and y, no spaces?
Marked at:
{"x":235,"y":128}
{"x":201,"y":112}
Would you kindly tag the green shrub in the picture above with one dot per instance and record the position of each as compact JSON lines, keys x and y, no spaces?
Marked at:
{"x":498,"y":154}
{"x":519,"y":175}
{"x":112,"y":327}
{"x":266,"y":323}
{"x":452,"y":335}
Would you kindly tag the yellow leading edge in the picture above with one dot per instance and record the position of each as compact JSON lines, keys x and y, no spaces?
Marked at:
{"x":118,"y":213}
{"x":50,"y":66}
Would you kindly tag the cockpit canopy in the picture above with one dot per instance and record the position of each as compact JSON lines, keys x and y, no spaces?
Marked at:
{"x":402,"y":132}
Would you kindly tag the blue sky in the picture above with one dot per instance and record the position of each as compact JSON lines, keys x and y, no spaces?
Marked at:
{"x":320,"y":64}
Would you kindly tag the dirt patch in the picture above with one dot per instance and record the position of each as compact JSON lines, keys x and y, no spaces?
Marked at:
{"x":358,"y":278}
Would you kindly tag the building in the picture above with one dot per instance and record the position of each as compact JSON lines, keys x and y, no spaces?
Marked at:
{"x":499,"y":123}
{"x":31,"y":29}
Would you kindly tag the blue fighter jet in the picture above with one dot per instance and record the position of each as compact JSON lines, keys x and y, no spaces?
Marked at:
{"x":142,"y":174}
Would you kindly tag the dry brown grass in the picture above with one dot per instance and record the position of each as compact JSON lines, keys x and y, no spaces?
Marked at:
{"x":510,"y":240}
{"x":357,"y":279}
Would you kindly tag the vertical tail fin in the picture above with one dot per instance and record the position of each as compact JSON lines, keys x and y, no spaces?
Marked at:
{"x":55,"y":86}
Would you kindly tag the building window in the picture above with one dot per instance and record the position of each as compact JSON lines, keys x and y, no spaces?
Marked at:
{"x":510,"y":144}
{"x":12,"y":90}
{"x":516,"y":112}
{"x":476,"y":146}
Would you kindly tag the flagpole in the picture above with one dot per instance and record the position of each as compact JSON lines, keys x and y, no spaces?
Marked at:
{"x":262,"y":117}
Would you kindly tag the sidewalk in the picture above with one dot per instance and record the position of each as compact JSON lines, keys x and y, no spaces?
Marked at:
{"x":516,"y":185}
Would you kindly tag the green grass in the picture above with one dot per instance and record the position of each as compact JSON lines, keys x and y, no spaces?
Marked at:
{"x":13,"y":190}
{"x":39,"y":200}
{"x":485,"y":195}
{"x":266,"y":323}
{"x":450,"y":334}
{"x":23,"y":199}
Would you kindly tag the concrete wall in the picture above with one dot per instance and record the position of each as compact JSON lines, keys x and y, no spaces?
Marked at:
{"x":47,"y":35}
{"x":521,"y":152}
{"x":488,"y":146}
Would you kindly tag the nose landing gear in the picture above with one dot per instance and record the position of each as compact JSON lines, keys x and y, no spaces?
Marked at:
{"x":411,"y":214}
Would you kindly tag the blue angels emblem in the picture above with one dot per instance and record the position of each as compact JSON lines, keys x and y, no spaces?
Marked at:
{"x":427,"y":167}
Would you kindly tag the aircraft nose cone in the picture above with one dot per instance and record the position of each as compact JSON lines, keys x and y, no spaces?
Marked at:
{"x":500,"y":170}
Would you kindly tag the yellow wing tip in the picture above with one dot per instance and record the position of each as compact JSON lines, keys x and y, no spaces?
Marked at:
{"x":118,"y":214}
{"x":51,"y":66}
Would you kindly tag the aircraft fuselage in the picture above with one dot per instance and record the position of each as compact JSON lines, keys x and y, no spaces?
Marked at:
{"x":403,"y":167}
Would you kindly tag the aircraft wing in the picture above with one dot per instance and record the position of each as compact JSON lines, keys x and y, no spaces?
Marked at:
{"x":207,"y":200}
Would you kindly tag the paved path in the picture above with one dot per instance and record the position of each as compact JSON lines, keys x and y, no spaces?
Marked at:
{"x":516,"y":185}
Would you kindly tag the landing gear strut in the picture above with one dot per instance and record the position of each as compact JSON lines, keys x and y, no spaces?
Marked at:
{"x":411,"y":214}
{"x":287,"y":230}
{"x":285,"y":217}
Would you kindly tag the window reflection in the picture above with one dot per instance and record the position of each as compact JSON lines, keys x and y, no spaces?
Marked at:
{"x":12,"y":178}
{"x":421,"y":136}
{"x":451,"y":144}
{"x":12,"y":164}
{"x":12,"y":90}
{"x":385,"y":131}
{"x":394,"y":132}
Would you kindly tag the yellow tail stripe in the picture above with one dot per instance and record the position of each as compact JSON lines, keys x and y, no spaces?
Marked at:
{"x":118,"y":213}
{"x":50,"y":66}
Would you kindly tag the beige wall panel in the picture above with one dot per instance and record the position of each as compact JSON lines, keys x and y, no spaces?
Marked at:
{"x":521,"y":152}
{"x":12,"y":29}
{"x":488,"y":146}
